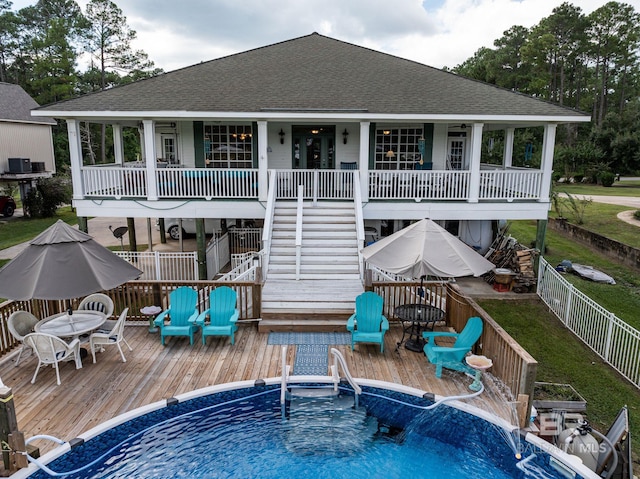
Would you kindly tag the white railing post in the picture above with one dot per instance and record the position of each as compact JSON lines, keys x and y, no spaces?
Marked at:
{"x":315,"y":188}
{"x":607,"y":344}
{"x":157,"y":263}
{"x":567,"y":310}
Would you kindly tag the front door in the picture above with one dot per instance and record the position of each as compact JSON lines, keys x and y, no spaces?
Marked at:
{"x":456,"y":158}
{"x":314,"y":147}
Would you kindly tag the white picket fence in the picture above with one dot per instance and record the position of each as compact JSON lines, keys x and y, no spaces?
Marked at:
{"x":163,"y":265}
{"x":612,"y":339}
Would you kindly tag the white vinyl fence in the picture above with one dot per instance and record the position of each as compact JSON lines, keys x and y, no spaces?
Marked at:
{"x":163,"y":265}
{"x":218,"y":254}
{"x":612,"y":339}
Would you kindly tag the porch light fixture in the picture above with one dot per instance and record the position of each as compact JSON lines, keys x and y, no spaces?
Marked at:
{"x":345,"y":134}
{"x":281,"y":133}
{"x":385,"y":132}
{"x":390,"y":154}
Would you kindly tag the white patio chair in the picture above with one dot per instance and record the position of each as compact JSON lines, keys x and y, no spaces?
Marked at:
{"x":98,"y":302}
{"x":52,"y":350}
{"x":115,"y":336}
{"x":20,"y":324}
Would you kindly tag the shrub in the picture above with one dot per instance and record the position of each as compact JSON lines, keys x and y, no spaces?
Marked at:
{"x":636,"y":214}
{"x":578,"y":178}
{"x":607,"y":178}
{"x":48,"y":194}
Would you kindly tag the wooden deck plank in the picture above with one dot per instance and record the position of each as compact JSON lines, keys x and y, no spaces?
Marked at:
{"x":98,"y":392}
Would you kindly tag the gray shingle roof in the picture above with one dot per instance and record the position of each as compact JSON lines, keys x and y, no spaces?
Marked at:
{"x":314,"y":72}
{"x":16,"y":105}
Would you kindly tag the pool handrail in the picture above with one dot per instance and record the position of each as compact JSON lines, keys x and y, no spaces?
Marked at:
{"x":338,"y":358}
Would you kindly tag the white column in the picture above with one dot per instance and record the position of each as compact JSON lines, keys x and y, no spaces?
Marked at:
{"x":364,"y":160}
{"x":546,"y":163}
{"x":150,"y":158}
{"x":263,"y":161}
{"x":474,"y":163}
{"x":118,"y":149}
{"x":75,"y":156}
{"x":507,"y":159}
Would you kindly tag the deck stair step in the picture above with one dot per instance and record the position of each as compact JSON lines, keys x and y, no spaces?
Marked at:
{"x":323,"y":296}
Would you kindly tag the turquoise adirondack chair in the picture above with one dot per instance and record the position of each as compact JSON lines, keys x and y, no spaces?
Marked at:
{"x":182,"y":312}
{"x":222,"y":313}
{"x":367,"y":324}
{"x":453,"y":357}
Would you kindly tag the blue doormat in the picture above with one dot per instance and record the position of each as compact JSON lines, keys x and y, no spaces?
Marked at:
{"x":311,"y":359}
{"x":309,"y":338}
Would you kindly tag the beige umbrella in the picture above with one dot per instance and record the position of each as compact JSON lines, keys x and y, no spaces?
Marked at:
{"x":63,"y":263}
{"x":426,"y":249}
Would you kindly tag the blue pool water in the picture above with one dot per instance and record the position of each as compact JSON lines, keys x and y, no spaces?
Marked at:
{"x":242,"y":433}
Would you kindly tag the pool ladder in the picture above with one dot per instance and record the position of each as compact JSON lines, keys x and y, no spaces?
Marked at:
{"x":338,"y":362}
{"x":318,"y":418}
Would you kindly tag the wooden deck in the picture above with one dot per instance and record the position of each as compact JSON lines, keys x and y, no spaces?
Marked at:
{"x":98,"y":392}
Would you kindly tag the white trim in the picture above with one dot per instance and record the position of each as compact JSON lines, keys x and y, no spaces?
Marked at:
{"x":315,"y":115}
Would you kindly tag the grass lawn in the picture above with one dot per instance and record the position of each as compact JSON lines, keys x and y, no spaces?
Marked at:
{"x":564,"y":359}
{"x":19,"y":230}
{"x":623,"y":298}
{"x":619,"y":188}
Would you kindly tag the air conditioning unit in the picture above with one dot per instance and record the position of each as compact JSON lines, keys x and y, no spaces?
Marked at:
{"x":37,"y":166}
{"x":19,"y":165}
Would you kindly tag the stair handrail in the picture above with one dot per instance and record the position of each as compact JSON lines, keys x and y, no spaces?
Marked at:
{"x":268,"y":222}
{"x":299,"y":229}
{"x":245,"y":270}
{"x":357,"y":203}
{"x":338,"y":360}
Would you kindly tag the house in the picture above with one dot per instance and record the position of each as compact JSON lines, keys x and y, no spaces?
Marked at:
{"x":368,"y":140}
{"x":26,"y":142}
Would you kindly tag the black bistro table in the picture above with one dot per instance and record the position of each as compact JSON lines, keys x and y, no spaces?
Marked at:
{"x":419,"y":317}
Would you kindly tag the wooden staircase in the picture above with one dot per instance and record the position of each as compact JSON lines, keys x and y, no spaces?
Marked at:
{"x":324,"y":296}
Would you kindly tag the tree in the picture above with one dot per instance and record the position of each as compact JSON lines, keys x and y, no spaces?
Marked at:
{"x":109,"y":44}
{"x":615,"y":39}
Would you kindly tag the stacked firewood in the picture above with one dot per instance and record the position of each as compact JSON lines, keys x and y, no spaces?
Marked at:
{"x":506,"y":252}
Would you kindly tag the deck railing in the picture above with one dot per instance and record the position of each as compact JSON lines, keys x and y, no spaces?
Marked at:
{"x":510,"y":185}
{"x":418,"y":185}
{"x":617,"y":343}
{"x":409,"y":185}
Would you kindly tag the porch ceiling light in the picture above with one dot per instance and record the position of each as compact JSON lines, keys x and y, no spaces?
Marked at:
{"x":345,"y":134}
{"x":390,"y":154}
{"x":281,"y":133}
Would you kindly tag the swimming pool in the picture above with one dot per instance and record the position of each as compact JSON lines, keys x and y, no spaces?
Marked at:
{"x":240,"y":430}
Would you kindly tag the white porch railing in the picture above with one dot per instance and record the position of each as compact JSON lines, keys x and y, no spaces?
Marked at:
{"x":612,"y":339}
{"x":510,"y":185}
{"x":418,"y":185}
{"x":113,"y":181}
{"x":317,"y":184}
{"x":163,"y":265}
{"x":207,"y":183}
{"x":409,"y":185}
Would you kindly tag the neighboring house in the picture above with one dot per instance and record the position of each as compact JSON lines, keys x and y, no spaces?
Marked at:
{"x":397,"y":140}
{"x":26,"y":142}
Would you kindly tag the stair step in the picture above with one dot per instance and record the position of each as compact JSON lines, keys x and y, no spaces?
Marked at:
{"x":314,"y":275}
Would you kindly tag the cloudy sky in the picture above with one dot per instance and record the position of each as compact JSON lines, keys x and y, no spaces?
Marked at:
{"x":435,"y":32}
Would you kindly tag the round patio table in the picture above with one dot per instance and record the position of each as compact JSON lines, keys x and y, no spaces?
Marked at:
{"x":419,"y":317}
{"x":65,"y":325}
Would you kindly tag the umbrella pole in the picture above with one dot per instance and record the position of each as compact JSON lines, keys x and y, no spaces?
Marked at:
{"x":422,"y":292}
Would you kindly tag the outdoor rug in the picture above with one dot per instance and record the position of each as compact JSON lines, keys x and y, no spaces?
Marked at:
{"x":312,"y":350}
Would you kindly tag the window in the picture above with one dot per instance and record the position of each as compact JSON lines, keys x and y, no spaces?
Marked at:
{"x":228,"y":146}
{"x":397,"y":148}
